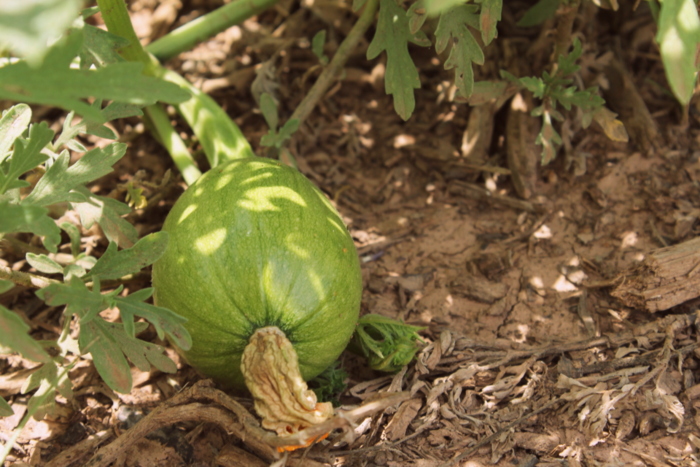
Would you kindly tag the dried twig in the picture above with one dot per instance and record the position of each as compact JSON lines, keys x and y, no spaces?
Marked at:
{"x":235,"y":419}
{"x":497,"y":434}
{"x":470,"y":190}
{"x":80,"y":450}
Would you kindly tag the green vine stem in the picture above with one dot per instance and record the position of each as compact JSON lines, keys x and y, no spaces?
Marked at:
{"x":116,"y":18}
{"x":186,"y":36}
{"x":220,"y":137}
{"x":159,"y":124}
{"x":334,"y":68}
{"x":26,"y":279}
{"x":565,"y":28}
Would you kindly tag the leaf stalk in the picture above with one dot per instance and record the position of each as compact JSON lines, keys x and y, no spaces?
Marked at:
{"x":204,"y":27}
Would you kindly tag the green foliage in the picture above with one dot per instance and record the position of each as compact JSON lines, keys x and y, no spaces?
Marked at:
{"x":387,"y":344}
{"x":393,"y":36}
{"x":27,"y":27}
{"x":5,"y":409}
{"x":556,"y":88}
{"x":54,"y":82}
{"x":678,"y":38}
{"x":453,"y":26}
{"x":330,"y":384}
{"x":15,"y":337}
{"x":273,"y":138}
{"x":538,"y":13}
{"x":488,"y":19}
{"x":317,"y":44}
{"x":38,"y":181}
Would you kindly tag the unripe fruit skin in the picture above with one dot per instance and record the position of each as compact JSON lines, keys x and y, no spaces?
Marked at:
{"x":253,"y":243}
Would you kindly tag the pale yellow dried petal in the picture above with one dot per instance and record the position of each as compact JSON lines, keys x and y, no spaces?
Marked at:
{"x":282,"y":399}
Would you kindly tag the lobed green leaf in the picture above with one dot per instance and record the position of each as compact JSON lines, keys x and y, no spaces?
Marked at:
{"x":16,"y":218}
{"x":142,"y":354}
{"x":55,"y":83}
{"x":14,"y":336}
{"x":115,"y":264}
{"x":100,"y":47}
{"x":13,"y":124}
{"x":27,"y":28}
{"x":393,"y":35}
{"x":164,"y":320}
{"x":76,"y":296}
{"x":47,"y":379}
{"x":60,"y":179}
{"x":95,"y":337}
{"x":489,"y":17}
{"x":27,"y":154}
{"x":453,"y":27}
{"x":107,"y":213}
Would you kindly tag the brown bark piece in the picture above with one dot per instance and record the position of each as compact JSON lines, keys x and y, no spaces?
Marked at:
{"x":666,"y":278}
{"x":476,"y":139}
{"x":520,"y":146}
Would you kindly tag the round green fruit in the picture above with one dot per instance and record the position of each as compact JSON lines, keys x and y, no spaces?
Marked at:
{"x":254,"y":244}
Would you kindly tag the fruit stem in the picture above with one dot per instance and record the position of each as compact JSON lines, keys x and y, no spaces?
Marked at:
{"x":270,"y":367}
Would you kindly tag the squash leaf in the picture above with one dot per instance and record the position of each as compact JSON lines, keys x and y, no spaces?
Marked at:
{"x":453,"y":28}
{"x":25,"y":156}
{"x":142,"y":354}
{"x":27,"y":27}
{"x":114,"y":264}
{"x":393,"y":35}
{"x":489,"y":17}
{"x":164,"y":320}
{"x":48,"y":379}
{"x":110,"y":344}
{"x":58,"y":182}
{"x":13,"y":124}
{"x":15,"y":337}
{"x":15,"y":218}
{"x":95,"y":337}
{"x":107,"y":213}
{"x":54,"y":83}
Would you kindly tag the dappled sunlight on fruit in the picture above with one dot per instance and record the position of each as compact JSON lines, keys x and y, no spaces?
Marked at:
{"x":223,"y":181}
{"x":208,"y":243}
{"x":263,"y":198}
{"x":251,"y":254}
{"x":185,"y":214}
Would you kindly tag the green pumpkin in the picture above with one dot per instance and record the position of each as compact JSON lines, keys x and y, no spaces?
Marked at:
{"x":252,"y":244}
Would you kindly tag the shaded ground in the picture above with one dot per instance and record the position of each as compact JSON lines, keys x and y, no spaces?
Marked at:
{"x":515,"y":301}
